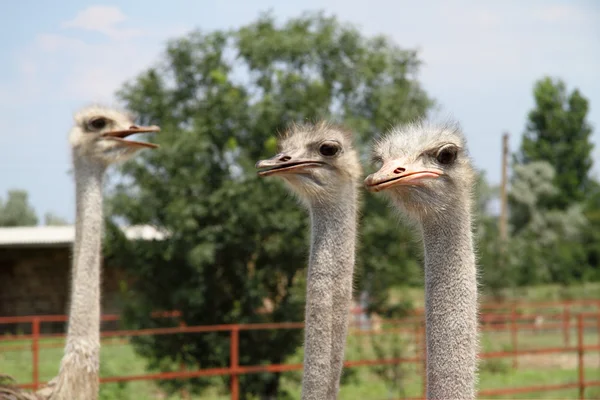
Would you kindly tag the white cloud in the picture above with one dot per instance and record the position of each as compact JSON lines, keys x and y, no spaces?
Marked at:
{"x":93,"y":71}
{"x":25,"y":89}
{"x":486,"y":18}
{"x":28,"y":69}
{"x":561,"y":13}
{"x":99,"y":70}
{"x":51,"y":42}
{"x":103,"y":19}
{"x":72,"y":68}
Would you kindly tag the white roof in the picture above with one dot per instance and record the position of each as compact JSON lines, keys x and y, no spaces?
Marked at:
{"x":64,"y":235}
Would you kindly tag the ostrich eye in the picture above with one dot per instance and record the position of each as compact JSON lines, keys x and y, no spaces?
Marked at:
{"x":377,"y":161}
{"x":98,"y":123}
{"x":329,"y":149}
{"x":447,"y":155}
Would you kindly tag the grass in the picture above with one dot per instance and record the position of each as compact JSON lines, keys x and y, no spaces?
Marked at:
{"x":539,"y":293}
{"x":365,"y":383}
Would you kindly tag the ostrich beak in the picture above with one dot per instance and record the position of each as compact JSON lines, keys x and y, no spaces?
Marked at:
{"x":133,"y":129}
{"x":282,"y":163}
{"x":395,"y":172}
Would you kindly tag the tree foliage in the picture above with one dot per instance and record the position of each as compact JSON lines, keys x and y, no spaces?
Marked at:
{"x":51,"y":219}
{"x":558,"y":132}
{"x":548,"y":247}
{"x":237,"y":248}
{"x":489,"y":253}
{"x":16,"y":210}
{"x":591,"y":234}
{"x":554,"y":210}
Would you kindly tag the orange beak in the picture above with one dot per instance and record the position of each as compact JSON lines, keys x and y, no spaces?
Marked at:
{"x":394,"y":173}
{"x":133,"y":129}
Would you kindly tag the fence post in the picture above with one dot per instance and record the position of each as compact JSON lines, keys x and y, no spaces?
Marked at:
{"x":513,"y":334}
{"x":184,"y":393}
{"x":598,"y":326}
{"x":580,"y":356}
{"x":35,"y":350}
{"x":234,"y":357}
{"x":566,"y":324}
{"x":598,"y":330}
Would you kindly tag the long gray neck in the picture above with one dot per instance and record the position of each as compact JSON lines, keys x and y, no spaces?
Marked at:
{"x":329,"y":293}
{"x":84,"y":313}
{"x":78,"y":377}
{"x":450,"y":305}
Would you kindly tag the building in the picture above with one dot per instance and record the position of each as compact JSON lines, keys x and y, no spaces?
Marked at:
{"x":35,"y":264}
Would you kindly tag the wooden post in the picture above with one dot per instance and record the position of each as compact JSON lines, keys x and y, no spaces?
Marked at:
{"x":598,"y":327}
{"x":514,"y":332}
{"x":580,"y":356}
{"x":503,"y":225}
{"x":566,"y":324}
{"x":35,"y":349}
{"x":234,"y":357}
{"x":185,"y":395}
{"x":598,"y":331}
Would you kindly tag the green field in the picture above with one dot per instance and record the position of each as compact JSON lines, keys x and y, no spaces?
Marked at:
{"x":364,"y":383}
{"x":526,"y":294}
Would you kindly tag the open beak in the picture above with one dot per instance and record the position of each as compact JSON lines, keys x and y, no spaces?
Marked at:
{"x":275,"y":165}
{"x":133,"y":129}
{"x":394,"y":173}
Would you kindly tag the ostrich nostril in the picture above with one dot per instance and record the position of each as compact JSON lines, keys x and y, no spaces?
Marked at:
{"x":399,"y":170}
{"x":134,"y":127}
{"x":285,"y":158}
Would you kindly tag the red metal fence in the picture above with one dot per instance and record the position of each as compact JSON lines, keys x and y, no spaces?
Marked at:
{"x":509,"y":318}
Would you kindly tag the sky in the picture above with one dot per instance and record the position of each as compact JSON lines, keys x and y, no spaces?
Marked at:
{"x":481,"y":60}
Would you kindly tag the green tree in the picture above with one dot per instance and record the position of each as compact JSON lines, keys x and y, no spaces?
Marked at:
{"x":17,"y":211}
{"x":493,"y":276}
{"x":235,"y":241}
{"x":558,"y":137}
{"x":548,"y":248}
{"x":558,"y":132}
{"x":51,"y":219}
{"x":591,"y":236}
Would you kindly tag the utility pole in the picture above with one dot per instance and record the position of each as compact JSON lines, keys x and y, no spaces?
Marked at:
{"x":503,"y":226}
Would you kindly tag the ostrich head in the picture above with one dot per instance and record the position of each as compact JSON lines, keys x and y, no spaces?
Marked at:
{"x":424,"y":168}
{"x":99,"y":134}
{"x":316,"y":161}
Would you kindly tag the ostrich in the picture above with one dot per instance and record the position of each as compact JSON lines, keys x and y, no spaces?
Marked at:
{"x":97,"y":140}
{"x":320,"y":165}
{"x":427,"y":174}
